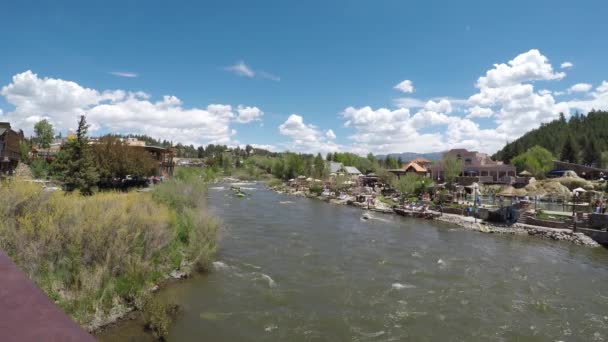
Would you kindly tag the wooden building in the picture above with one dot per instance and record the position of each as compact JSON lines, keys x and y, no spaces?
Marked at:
{"x":10,"y":154}
{"x":164,"y":157}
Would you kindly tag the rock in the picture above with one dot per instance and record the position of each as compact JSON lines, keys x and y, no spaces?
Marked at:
{"x":177,"y":274}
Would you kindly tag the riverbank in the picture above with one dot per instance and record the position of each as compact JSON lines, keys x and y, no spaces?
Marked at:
{"x":99,"y":257}
{"x":465,"y":222}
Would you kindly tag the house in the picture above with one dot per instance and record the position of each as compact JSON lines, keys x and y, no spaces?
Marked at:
{"x":164,"y":157}
{"x":352,"y":171}
{"x":422,"y":162}
{"x":419,"y":166}
{"x":10,"y":154}
{"x":334,"y":167}
{"x":477,"y":165}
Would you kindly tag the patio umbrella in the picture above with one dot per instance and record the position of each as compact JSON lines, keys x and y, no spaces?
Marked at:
{"x":579,"y":190}
{"x":525,"y":173}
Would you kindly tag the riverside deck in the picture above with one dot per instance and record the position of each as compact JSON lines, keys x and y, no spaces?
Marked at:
{"x":27,"y":314}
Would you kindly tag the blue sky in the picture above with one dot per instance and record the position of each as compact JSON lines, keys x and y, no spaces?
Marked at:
{"x":299,"y":69}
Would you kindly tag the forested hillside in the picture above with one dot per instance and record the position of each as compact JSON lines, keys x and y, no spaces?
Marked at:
{"x":582,"y":139}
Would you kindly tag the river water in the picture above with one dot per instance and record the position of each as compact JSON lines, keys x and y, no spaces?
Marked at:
{"x":295,"y":269}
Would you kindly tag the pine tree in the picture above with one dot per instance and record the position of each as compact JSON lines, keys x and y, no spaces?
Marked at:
{"x":592,"y":154}
{"x":319,"y":166}
{"x":570,"y":150}
{"x":77,"y":163}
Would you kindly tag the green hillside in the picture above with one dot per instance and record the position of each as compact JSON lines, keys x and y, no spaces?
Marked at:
{"x":582,"y":139}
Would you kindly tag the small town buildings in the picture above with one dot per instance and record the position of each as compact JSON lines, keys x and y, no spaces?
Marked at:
{"x":477,"y":165}
{"x":10,"y":153}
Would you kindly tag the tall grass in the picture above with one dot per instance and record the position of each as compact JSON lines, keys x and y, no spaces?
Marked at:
{"x":96,"y":254}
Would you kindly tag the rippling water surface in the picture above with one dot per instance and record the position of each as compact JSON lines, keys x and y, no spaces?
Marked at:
{"x":294,"y":269}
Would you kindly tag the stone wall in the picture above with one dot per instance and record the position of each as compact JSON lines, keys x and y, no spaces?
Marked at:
{"x":599,"y":236}
{"x":598,"y":221}
{"x":546,"y":223}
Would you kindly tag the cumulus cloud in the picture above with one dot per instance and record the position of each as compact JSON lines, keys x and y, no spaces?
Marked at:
{"x":248,"y":114}
{"x":330,"y":134}
{"x":580,"y":88}
{"x":505,"y":93}
{"x":566,"y":65}
{"x":479,"y":112}
{"x":305,"y":137}
{"x":528,"y":66}
{"x":405,"y":86}
{"x":62,"y":101}
{"x":242,"y":69}
{"x":124,"y":74}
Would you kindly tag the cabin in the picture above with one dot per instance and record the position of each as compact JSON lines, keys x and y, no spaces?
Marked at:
{"x":412,"y":167}
{"x":10,"y":154}
{"x":336,"y":168}
{"x":164,"y":157}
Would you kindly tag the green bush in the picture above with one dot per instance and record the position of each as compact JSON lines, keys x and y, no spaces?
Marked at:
{"x":40,"y":169}
{"x":316,"y":189}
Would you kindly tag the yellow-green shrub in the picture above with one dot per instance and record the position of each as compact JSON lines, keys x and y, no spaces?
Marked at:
{"x":90,"y":253}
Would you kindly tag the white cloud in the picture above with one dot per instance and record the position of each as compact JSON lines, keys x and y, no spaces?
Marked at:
{"x":505,"y":93}
{"x":442,"y":106}
{"x":580,"y":88}
{"x":479,"y":112}
{"x":119,"y":111}
{"x":330,"y":134}
{"x":268,"y":147}
{"x":241,"y":69}
{"x":248,"y":114}
{"x":528,"y":66}
{"x":124,"y":74}
{"x":566,"y":65}
{"x":269,"y":76}
{"x":405,"y":86}
{"x":409,"y":102}
{"x":305,"y":137}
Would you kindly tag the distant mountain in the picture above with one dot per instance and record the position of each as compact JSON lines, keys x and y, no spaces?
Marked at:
{"x":407,"y":156}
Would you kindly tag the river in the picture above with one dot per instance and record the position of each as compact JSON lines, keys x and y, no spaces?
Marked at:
{"x":295,"y":269}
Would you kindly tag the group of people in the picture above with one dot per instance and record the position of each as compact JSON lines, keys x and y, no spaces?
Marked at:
{"x":600,"y":206}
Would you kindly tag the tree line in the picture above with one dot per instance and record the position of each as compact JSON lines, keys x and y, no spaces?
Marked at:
{"x":581,"y":139}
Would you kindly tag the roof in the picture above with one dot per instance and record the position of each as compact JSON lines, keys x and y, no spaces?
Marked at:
{"x":421,"y":160}
{"x":335,"y":167}
{"x":2,"y":130}
{"x":417,"y":167}
{"x":351,"y":170}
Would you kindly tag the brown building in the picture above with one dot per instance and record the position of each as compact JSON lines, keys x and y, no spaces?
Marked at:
{"x":164,"y":157}
{"x":9,"y":148}
{"x":411,"y":167}
{"x":476,"y":164}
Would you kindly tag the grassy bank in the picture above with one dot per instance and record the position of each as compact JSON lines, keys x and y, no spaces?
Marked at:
{"x":96,"y":256}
